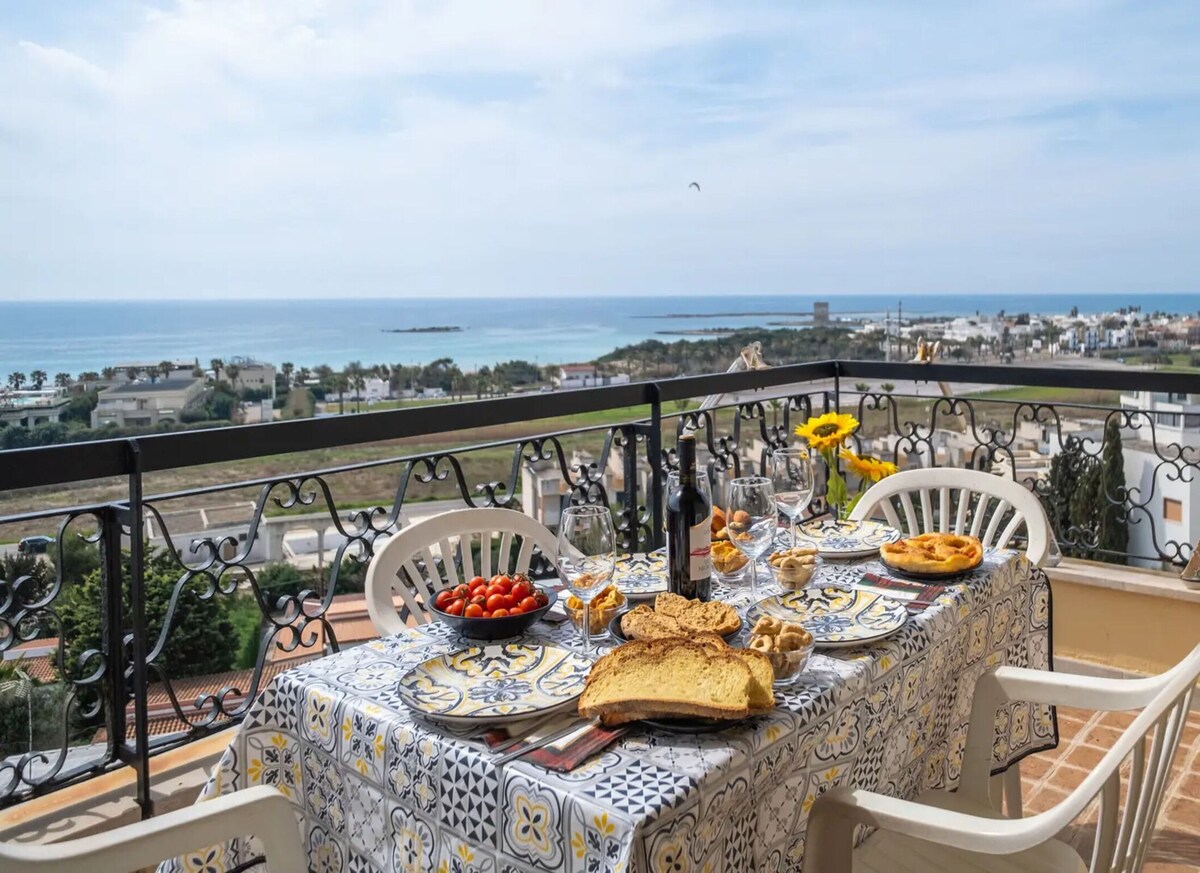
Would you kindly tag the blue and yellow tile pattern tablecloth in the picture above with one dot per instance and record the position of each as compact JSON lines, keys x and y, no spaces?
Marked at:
{"x":376,"y":791}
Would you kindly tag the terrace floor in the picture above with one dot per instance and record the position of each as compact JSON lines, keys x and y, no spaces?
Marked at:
{"x":1085,"y":737}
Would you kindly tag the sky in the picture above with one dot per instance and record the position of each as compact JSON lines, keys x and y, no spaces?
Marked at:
{"x":178,"y":150}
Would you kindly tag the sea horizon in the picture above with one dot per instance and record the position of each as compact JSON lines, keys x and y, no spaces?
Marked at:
{"x":78,"y":335}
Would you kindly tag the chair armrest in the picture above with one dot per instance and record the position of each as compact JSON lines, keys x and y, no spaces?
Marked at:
{"x":1003,"y":685}
{"x":831,"y":824}
{"x":260,"y":811}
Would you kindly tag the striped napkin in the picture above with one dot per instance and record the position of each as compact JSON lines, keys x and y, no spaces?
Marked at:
{"x":915,"y":595}
{"x":565,"y":753}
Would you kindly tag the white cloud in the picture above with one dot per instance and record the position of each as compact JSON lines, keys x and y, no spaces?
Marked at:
{"x":303,"y":148}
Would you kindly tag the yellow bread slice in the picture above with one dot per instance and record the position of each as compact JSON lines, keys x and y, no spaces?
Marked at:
{"x":762,"y":679}
{"x":666,"y":678}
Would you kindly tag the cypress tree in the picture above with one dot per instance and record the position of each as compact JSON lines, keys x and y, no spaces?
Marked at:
{"x":1113,"y":534}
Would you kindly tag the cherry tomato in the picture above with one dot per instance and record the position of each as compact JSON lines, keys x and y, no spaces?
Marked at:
{"x":499,"y":613}
{"x":462,"y":591}
{"x":508,"y":602}
{"x":476,"y":582}
{"x":505,"y":579}
{"x":541,"y":598}
{"x":528,"y":604}
{"x":496,"y":601}
{"x":456,"y":606}
{"x":479,"y":598}
{"x":521,"y":590}
{"x":443,"y":598}
{"x":473,"y":610}
{"x":495,"y":589}
{"x":487,"y":613}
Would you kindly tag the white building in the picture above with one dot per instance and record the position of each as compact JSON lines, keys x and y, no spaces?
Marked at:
{"x":254,"y":375}
{"x":374,"y":389}
{"x":585,"y":376}
{"x":146,"y":404}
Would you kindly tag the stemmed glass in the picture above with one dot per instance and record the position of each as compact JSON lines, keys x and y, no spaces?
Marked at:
{"x":586,"y":557}
{"x":752,"y":521}
{"x":792,"y":477}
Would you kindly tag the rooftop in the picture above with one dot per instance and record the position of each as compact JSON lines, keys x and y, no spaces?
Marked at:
{"x":159,"y":386}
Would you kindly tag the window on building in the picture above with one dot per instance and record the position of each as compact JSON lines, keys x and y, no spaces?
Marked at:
{"x":1172,"y":509}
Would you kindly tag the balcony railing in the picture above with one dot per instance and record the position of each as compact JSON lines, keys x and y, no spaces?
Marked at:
{"x":119,"y":621}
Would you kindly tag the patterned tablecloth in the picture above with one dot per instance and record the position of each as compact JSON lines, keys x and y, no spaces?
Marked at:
{"x":376,"y":791}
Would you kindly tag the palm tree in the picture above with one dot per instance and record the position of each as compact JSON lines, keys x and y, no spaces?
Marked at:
{"x":354,"y":378}
{"x":62,"y":380}
{"x":89,"y":376}
{"x":303,"y":375}
{"x":38,"y":378}
{"x":217,"y":364}
{"x":286,"y":368}
{"x":231,"y":373}
{"x":132,"y":373}
{"x":165,"y":367}
{"x":342,"y":384}
{"x":16,"y":380}
{"x":110,"y":373}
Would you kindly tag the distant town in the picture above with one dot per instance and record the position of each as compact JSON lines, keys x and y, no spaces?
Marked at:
{"x":137,"y":396}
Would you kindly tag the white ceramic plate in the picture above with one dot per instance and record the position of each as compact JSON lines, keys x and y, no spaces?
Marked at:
{"x":836,"y":617}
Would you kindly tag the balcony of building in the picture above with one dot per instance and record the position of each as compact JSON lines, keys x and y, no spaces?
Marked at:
{"x":245,"y":518}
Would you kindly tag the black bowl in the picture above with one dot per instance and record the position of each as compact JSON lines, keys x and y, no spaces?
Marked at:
{"x":497,"y":628}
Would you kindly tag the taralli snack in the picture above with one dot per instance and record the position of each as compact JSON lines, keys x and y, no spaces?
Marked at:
{"x":767,"y":626}
{"x":718,"y":523}
{"x":786,"y":645}
{"x":794,"y":568}
{"x":603,"y":607}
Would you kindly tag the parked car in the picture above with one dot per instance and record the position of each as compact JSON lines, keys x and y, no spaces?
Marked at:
{"x":35,"y":545}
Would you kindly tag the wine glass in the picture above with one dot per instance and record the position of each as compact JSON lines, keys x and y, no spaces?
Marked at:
{"x":752,"y":519}
{"x":792,"y":477}
{"x":586,"y":557}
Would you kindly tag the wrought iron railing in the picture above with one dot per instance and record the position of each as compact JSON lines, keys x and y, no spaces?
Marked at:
{"x":117,"y":666}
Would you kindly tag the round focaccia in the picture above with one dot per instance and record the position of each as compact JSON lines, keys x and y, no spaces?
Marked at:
{"x":933,"y":553}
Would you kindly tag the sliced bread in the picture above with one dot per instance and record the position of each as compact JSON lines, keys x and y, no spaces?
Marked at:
{"x":698,"y":616}
{"x":667,"y":678}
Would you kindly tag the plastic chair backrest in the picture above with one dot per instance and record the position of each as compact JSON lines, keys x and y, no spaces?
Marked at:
{"x":425,"y":557}
{"x":953,"y":500}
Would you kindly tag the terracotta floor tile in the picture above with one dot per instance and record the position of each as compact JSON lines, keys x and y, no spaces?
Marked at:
{"x":1043,"y":799}
{"x":1182,"y":812}
{"x":1083,"y":756}
{"x":1067,"y":777}
{"x":1101,"y":736}
{"x":1120,"y":720}
{"x":1077,"y":714}
{"x":1035,"y":767}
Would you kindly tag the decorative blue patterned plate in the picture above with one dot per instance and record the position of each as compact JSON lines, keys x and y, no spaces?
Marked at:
{"x":836,"y":617}
{"x":844,"y":540}
{"x":495,"y":684}
{"x":639,"y":576}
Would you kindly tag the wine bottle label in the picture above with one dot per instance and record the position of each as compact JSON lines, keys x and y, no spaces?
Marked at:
{"x":700,"y":550}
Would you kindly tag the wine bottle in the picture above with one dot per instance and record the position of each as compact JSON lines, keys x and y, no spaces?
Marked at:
{"x":689,"y":533}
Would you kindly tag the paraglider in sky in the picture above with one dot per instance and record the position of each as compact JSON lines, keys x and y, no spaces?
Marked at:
{"x":695,"y":185}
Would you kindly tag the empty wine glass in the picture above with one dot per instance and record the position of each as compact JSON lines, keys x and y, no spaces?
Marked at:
{"x":792,"y":477}
{"x":752,"y":519}
{"x":586,"y":557}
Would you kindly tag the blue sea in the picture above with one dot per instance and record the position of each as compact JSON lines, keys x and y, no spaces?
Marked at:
{"x":83,"y":335}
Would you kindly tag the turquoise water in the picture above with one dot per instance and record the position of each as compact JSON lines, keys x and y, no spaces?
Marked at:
{"x":77,"y":336}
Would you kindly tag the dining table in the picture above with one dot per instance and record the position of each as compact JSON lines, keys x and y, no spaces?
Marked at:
{"x":378,"y":789}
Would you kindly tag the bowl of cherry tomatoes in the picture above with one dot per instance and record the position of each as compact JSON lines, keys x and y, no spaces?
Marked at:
{"x":491,"y":609}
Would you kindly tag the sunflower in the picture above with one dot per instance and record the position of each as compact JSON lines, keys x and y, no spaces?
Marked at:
{"x":867,"y":467}
{"x":827,"y":431}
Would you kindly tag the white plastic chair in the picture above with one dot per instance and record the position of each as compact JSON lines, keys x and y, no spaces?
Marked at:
{"x":261,"y":811}
{"x":451,"y":533}
{"x":964,"y":831}
{"x":965,"y":493}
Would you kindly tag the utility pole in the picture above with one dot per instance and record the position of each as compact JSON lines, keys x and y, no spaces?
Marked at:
{"x":899,"y":327}
{"x":887,"y":336}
